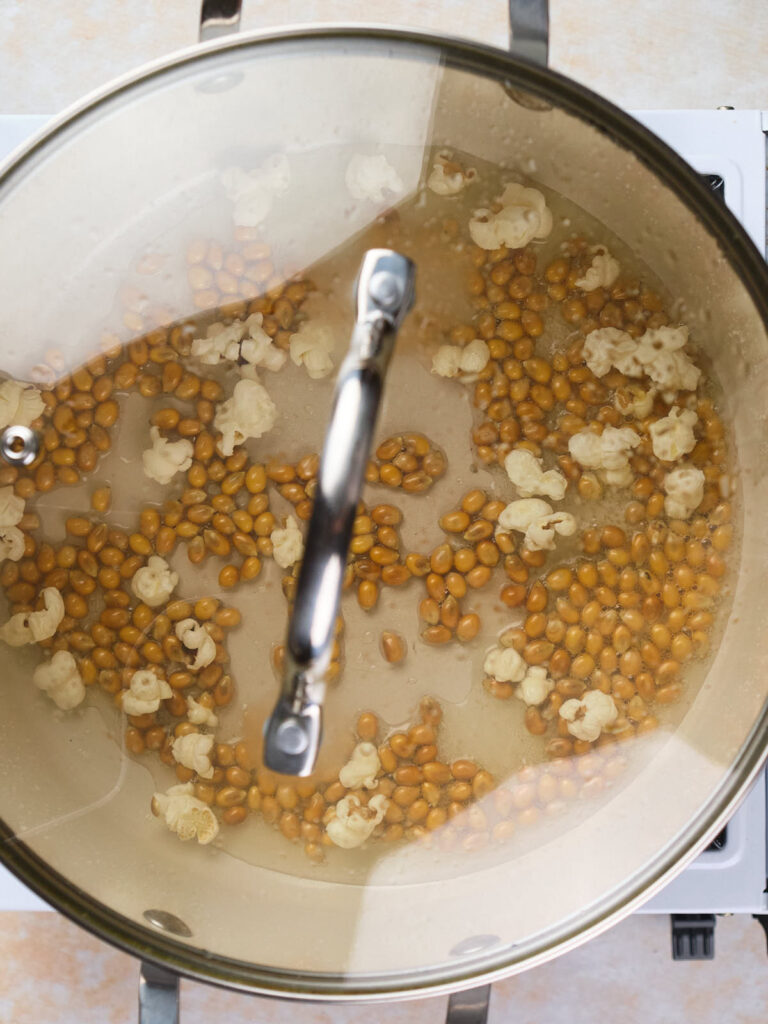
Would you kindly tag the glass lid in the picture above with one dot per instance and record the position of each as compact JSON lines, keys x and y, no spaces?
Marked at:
{"x":548,"y":678}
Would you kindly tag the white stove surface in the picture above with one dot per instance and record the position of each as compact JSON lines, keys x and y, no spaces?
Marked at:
{"x":731,"y":144}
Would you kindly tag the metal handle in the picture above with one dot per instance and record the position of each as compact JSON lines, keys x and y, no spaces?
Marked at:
{"x":293,"y":732}
{"x":529,"y":30}
{"x":158,"y":995}
{"x":219,"y":18}
{"x":528,"y":25}
{"x":470,"y":1007}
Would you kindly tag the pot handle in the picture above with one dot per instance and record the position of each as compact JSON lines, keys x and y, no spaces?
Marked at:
{"x":158,"y":995}
{"x":529,"y":30}
{"x":219,"y":18}
{"x":469,"y":1007}
{"x":528,"y":25}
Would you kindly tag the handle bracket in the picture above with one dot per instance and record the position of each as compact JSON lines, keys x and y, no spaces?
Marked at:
{"x":529,"y":30}
{"x":469,"y":1007}
{"x":219,"y":18}
{"x":158,"y":995}
{"x":528,"y":25}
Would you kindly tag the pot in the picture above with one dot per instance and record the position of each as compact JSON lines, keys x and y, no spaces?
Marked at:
{"x":103,"y":213}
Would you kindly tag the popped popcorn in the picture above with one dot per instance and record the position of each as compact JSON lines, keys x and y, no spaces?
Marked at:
{"x":446,"y":362}
{"x":455,"y":361}
{"x":537,"y":520}
{"x":504,"y":665}
{"x":588,"y":717}
{"x":523,"y":216}
{"x":185,"y":815}
{"x":11,"y":507}
{"x":220,"y":344}
{"x":362,"y":767}
{"x":20,"y":404}
{"x":145,"y":692}
{"x":194,"y":752}
{"x":195,"y":637}
{"x":311,"y":347}
{"x":672,"y":437}
{"x":634,"y":400}
{"x":474,"y":356}
{"x":685,"y":489}
{"x":608,"y":346}
{"x":657,"y":354}
{"x":601,"y":273}
{"x":519,"y":514}
{"x":61,"y":680}
{"x":200,"y":714}
{"x":31,"y":627}
{"x":353,"y":822}
{"x":253,"y":192}
{"x":607,"y":453}
{"x":660,"y":352}
{"x":287,"y":544}
{"x":154,"y":582}
{"x":11,"y":537}
{"x":448,"y":178}
{"x":250,"y":412}
{"x":243,"y":341}
{"x":527,"y":474}
{"x":535,"y":686}
{"x":11,"y":543}
{"x":166,"y":458}
{"x":372,"y":177}
{"x":540,"y":535}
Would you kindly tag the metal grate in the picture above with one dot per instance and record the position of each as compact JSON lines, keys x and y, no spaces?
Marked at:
{"x":719,"y":842}
{"x":716,"y":185}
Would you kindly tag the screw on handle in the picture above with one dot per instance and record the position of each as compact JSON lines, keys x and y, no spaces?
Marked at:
{"x":19,"y":445}
{"x":293,"y":732}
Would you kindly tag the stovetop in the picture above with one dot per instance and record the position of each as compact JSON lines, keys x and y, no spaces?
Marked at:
{"x":729,"y":145}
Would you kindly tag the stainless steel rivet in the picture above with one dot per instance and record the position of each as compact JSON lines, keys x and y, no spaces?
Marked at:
{"x":526,"y":100}
{"x":385,"y":289}
{"x":475,"y":944}
{"x":220,"y":83}
{"x":291,"y":738}
{"x":167,"y":922}
{"x":19,"y":445}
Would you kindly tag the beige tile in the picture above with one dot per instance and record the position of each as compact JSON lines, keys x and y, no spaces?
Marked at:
{"x":686,"y":54}
{"x":52,"y":972}
{"x":691,"y":53}
{"x":627,"y":976}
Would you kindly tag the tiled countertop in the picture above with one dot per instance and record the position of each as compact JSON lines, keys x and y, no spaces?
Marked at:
{"x":53,"y":973}
{"x":687,"y":54}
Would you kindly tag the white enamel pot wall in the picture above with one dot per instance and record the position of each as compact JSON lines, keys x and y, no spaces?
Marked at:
{"x":136,"y":171}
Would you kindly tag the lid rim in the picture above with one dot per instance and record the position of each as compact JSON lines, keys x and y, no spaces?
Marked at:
{"x":744,"y":258}
{"x":201,"y":965}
